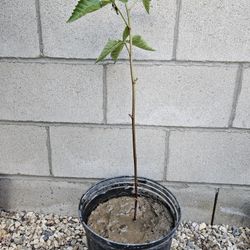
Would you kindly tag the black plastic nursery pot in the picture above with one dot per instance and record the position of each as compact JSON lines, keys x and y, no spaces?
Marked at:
{"x":123,"y":186}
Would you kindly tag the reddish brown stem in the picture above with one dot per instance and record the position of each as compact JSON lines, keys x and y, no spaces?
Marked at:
{"x":133,"y":115}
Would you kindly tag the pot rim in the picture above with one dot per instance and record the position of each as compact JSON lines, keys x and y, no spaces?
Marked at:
{"x":151,"y":243}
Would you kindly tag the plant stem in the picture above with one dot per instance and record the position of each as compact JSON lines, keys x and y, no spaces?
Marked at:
{"x":119,"y":11}
{"x":133,"y":115}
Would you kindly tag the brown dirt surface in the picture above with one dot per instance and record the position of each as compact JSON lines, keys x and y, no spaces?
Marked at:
{"x":114,"y":220}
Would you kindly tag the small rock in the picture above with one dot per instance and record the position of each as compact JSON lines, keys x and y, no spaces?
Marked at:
{"x":3,"y":233}
{"x":202,"y":226}
{"x":73,"y":242}
{"x":36,"y":241}
{"x":235,"y":231}
{"x":17,"y":224}
{"x":50,"y":223}
{"x":56,"y":244}
{"x":18,"y":240}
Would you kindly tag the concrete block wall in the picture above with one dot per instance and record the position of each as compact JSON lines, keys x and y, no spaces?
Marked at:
{"x":64,"y":120}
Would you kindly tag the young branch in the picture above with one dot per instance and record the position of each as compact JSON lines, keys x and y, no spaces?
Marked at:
{"x":119,"y":12}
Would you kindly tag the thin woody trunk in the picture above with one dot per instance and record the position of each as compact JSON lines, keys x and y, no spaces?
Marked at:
{"x":133,"y":115}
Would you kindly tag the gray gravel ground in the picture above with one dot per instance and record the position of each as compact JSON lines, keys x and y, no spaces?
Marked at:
{"x":28,"y":230}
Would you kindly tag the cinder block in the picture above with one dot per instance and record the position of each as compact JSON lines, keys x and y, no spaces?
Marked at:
{"x":233,"y":207}
{"x":173,"y":95}
{"x":212,"y":157}
{"x":23,"y":150}
{"x":42,"y":195}
{"x":106,"y":152}
{"x":242,"y":118}
{"x":214,"y":30}
{"x":51,"y":92}
{"x":86,"y":37}
{"x":18,"y":33}
{"x":196,"y":201}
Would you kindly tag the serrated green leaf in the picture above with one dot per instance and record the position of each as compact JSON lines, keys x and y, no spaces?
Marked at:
{"x":146,"y":4}
{"x":116,"y":52}
{"x":84,"y":7}
{"x":125,"y":33}
{"x":139,"y":42}
{"x":110,"y":46}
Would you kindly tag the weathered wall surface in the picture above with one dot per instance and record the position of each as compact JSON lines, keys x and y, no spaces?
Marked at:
{"x":64,"y":120}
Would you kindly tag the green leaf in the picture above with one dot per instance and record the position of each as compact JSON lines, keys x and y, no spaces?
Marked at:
{"x":116,"y":52}
{"x":110,"y":46}
{"x":124,"y":1}
{"x":105,"y":2}
{"x":84,"y":7}
{"x":146,"y":4}
{"x":139,"y":42}
{"x":125,"y":33}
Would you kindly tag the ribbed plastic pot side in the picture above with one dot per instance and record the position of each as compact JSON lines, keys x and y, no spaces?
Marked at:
{"x":123,"y":186}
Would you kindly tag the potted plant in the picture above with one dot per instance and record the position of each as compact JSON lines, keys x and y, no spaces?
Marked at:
{"x":126,"y":212}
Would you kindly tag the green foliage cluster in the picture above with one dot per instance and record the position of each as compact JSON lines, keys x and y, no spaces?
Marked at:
{"x":112,"y":47}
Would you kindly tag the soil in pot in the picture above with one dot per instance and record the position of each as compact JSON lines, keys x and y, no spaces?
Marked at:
{"x":113,"y":220}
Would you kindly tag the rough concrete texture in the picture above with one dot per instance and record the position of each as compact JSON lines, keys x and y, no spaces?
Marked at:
{"x":18,"y":31}
{"x":23,"y":150}
{"x":86,"y":37}
{"x":215,"y":157}
{"x":196,"y":201}
{"x":100,"y":152}
{"x":51,"y":92}
{"x":242,"y":118}
{"x":214,"y":30}
{"x":42,"y":195}
{"x":233,"y":207}
{"x":195,"y":101}
{"x":62,"y":197}
{"x":173,"y":95}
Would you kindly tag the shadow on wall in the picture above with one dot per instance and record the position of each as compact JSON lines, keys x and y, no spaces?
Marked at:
{"x":5,"y":192}
{"x":246,"y":214}
{"x":42,"y":196}
{"x":241,"y":215}
{"x":62,"y":197}
{"x":233,"y":214}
